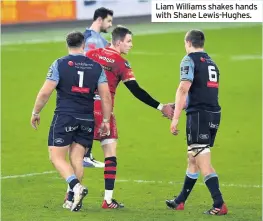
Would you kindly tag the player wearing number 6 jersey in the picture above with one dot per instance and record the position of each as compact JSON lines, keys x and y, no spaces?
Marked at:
{"x":199,"y":87}
{"x":75,"y":78}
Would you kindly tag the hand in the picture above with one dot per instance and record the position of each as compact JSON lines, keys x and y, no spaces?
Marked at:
{"x":104,"y":129}
{"x":173,"y":127}
{"x":35,"y":120}
{"x":168,"y":111}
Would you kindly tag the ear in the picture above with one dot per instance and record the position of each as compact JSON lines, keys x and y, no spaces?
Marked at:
{"x":100,"y":19}
{"x":118,"y":42}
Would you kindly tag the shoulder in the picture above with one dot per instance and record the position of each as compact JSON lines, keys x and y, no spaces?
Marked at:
{"x":187,"y":59}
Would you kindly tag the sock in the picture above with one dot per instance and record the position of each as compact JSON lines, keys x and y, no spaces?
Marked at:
{"x":88,"y":153}
{"x":108,"y":195}
{"x":109,"y":177}
{"x":212,"y":184}
{"x":189,"y":182}
{"x":72,"y":181}
{"x":70,"y":194}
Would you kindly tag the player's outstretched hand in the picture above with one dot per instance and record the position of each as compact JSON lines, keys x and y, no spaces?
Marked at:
{"x":168,"y":111}
{"x":173,"y":127}
{"x":35,"y":120}
{"x":104,"y":129}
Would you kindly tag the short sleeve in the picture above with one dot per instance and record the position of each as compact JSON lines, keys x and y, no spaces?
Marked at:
{"x":187,"y":69}
{"x":53,"y":73}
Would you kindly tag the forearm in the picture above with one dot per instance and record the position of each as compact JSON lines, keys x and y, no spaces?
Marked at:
{"x":106,"y":105}
{"x":180,"y":102}
{"x":41,"y":101}
{"x":142,"y":95}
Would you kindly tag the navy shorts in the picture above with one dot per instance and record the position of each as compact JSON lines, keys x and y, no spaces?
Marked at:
{"x":66,"y":129}
{"x":201,"y":127}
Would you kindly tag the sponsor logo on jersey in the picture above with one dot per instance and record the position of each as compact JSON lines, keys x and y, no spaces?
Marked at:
{"x":127,"y":64}
{"x":184,"y":70}
{"x":106,"y":68}
{"x":106,"y":59}
{"x":71,"y":63}
{"x":50,"y":72}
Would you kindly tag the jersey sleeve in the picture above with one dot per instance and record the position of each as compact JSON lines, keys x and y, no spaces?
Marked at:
{"x":103,"y":78}
{"x":126,"y":72}
{"x":91,"y":43}
{"x":187,"y":69}
{"x":53,"y":73}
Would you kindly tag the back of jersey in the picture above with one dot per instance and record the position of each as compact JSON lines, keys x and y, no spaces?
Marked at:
{"x":78,"y":80}
{"x":203,"y":94}
{"x":93,"y":40}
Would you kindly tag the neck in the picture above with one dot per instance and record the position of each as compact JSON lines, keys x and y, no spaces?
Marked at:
{"x":196,"y":50}
{"x":75,"y":51}
{"x":95,"y":27}
{"x":115,"y":48}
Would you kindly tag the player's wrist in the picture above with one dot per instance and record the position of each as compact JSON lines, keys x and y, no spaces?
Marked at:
{"x":160,"y":107}
{"x":35,"y":113}
{"x":105,"y":120}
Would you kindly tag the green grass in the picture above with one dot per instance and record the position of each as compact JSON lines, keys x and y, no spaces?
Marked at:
{"x":146,"y":151}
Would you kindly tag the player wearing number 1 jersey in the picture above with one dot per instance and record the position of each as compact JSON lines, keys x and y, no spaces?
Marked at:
{"x":75,"y":78}
{"x":199,"y":81}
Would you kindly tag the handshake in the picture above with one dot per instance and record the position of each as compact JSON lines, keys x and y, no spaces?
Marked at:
{"x":168,"y":110}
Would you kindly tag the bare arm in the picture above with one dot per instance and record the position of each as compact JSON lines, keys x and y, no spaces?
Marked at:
{"x":43,"y":95}
{"x":180,"y":98}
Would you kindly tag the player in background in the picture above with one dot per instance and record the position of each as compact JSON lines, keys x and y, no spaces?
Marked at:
{"x":199,"y":87}
{"x":117,"y":69}
{"x":75,"y":78}
{"x":102,"y":21}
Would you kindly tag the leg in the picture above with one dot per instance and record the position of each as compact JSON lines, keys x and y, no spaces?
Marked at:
{"x":209,"y":123}
{"x":76,"y":154}
{"x":191,"y":177}
{"x":109,"y":149}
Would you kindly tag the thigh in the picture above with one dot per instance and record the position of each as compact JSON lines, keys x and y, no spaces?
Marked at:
{"x":197,"y":128}
{"x":214,"y":123}
{"x":61,"y":130}
{"x":85,"y":133}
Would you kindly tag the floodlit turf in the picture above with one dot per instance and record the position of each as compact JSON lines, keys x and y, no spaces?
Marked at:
{"x":149,"y":157}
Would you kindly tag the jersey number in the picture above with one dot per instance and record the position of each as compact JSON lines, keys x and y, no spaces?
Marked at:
{"x":81,"y":78}
{"x":212,"y":73}
{"x":80,"y":88}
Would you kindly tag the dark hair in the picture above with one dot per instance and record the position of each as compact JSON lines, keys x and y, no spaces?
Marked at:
{"x":75,"y":39}
{"x":119,"y":33}
{"x":102,"y":12}
{"x":196,"y":37}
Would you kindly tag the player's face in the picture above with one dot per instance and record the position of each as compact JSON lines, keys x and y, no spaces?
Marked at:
{"x":126,"y":44}
{"x":106,"y":24}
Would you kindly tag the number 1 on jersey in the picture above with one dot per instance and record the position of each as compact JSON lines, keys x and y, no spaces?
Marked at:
{"x":81,"y":78}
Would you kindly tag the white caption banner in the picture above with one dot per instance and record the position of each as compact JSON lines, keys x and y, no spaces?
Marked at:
{"x":207,"y":11}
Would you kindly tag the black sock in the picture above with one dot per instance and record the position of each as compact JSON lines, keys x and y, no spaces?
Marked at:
{"x":212,"y":184}
{"x":70,"y":196}
{"x":73,"y":183}
{"x":189,"y":182}
{"x":88,"y":153}
{"x":110,"y":172}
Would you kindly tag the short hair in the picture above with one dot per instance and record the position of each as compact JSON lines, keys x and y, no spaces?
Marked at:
{"x":119,"y":33}
{"x":102,"y":13}
{"x":75,"y":39}
{"x":196,"y":37}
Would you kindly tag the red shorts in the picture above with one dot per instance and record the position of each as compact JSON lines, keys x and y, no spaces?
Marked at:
{"x":98,"y":117}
